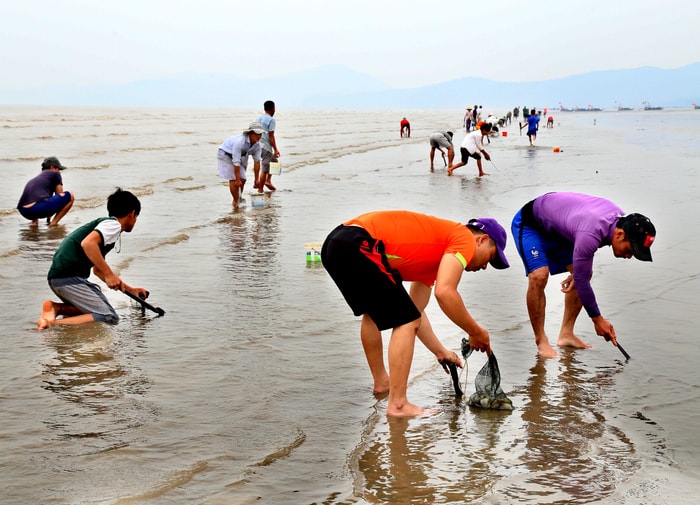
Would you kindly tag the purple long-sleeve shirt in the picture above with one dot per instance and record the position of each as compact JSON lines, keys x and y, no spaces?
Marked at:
{"x":586,"y":221}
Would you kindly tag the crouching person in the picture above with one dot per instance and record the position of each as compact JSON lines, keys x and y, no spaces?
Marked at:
{"x":82,"y":251}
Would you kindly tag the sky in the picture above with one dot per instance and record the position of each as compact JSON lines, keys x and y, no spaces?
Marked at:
{"x":402,"y":43}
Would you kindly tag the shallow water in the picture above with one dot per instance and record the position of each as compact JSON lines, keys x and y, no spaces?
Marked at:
{"x":253,"y":387}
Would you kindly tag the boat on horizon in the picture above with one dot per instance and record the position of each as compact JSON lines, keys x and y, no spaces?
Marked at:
{"x":696,"y":106}
{"x":649,"y":107}
{"x":590,"y":108}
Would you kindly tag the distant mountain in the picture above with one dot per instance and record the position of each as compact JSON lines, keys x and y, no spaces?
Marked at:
{"x":604,"y":89}
{"x":337,"y":86}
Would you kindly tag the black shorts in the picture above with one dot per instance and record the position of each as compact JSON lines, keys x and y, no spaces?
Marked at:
{"x":358,"y":265}
{"x":466,"y":155}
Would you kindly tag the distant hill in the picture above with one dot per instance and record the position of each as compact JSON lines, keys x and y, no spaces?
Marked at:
{"x":337,"y":86}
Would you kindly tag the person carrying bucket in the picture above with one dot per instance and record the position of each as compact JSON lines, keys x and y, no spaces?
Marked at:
{"x":268,"y":142}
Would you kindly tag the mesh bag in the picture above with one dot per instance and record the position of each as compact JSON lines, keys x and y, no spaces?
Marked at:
{"x":489,"y":394}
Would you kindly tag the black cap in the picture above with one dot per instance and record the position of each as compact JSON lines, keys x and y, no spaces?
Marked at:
{"x":641,"y":234}
{"x":51,"y":161}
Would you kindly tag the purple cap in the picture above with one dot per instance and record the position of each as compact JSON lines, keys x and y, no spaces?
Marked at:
{"x":496,"y":232}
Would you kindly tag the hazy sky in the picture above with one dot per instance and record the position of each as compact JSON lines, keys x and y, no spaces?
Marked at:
{"x":403,"y":43}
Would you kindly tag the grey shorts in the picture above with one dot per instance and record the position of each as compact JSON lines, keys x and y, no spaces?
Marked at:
{"x":85,"y":296}
{"x":267,"y":157}
{"x":439,"y":140}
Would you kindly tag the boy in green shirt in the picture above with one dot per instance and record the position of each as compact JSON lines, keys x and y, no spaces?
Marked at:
{"x":84,"y":250}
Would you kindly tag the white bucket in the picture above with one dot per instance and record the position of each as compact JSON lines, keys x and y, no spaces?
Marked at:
{"x":275,"y":168}
{"x":257,"y":199}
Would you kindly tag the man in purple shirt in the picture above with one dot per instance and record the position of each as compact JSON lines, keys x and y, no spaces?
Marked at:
{"x":559,"y":232}
{"x":43,"y":196}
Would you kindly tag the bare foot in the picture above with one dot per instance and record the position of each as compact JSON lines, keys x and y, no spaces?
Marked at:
{"x":48,"y":311}
{"x":35,"y":222}
{"x":483,"y":173}
{"x":546,"y":350}
{"x":48,"y":315}
{"x":449,"y":171}
{"x":42,"y":324}
{"x":405,"y":410}
{"x":572,"y":341}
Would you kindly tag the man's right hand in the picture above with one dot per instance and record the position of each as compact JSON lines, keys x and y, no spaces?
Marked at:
{"x":605,"y":329}
{"x":113,"y":281}
{"x":480,"y":341}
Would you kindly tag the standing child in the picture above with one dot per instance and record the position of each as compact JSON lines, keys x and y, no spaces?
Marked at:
{"x":268,"y":142}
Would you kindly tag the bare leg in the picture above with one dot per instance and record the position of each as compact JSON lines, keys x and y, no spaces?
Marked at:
{"x":536,"y":305}
{"x":401,"y":346}
{"x":258,"y":174}
{"x":454,"y":167}
{"x":432,"y":159}
{"x":235,"y":193}
{"x":71,"y":315}
{"x":63,"y":211}
{"x":374,"y":352}
{"x":420,"y":295}
{"x":481,"y":170}
{"x":572,"y":308}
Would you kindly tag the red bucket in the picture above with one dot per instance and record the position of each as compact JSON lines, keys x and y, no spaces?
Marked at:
{"x":505,"y":134}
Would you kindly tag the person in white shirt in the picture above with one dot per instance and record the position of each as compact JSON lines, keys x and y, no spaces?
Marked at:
{"x":472,"y":147}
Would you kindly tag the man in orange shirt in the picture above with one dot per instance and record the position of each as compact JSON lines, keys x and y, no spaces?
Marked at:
{"x":369,"y":257}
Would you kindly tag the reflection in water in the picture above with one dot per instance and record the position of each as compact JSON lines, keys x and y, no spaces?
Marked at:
{"x":396,"y":468}
{"x":451,"y":458}
{"x":39,"y":243}
{"x":42,"y":233}
{"x":249,"y":255}
{"x":572,"y":454}
{"x":100,"y":389}
{"x":556,"y":447}
{"x":250,"y":238}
